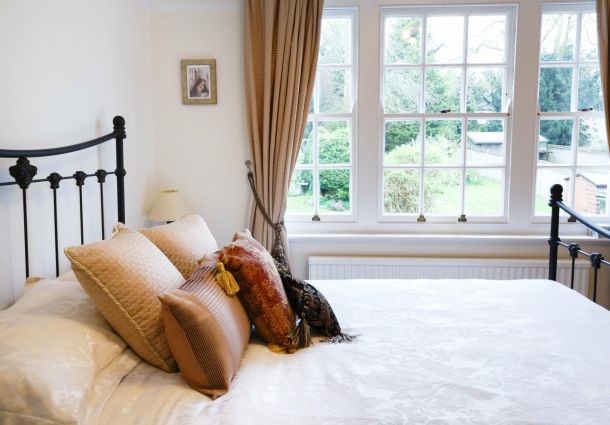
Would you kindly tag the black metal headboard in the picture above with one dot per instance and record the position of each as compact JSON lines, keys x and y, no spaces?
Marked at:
{"x":24,"y":173}
{"x":556,"y":204}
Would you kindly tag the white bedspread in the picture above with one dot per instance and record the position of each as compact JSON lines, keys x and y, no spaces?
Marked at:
{"x":431,"y":352}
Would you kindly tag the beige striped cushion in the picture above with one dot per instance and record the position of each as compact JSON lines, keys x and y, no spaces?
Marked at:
{"x":207,"y":332}
{"x":184,"y":242}
{"x":124,"y":276}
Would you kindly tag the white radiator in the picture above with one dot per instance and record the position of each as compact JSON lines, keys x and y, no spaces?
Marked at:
{"x":322,"y":267}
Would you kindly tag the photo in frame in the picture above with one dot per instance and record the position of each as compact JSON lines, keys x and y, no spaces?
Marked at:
{"x":198,"y":81}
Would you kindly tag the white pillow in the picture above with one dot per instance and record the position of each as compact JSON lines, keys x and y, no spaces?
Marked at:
{"x":53,"y":343}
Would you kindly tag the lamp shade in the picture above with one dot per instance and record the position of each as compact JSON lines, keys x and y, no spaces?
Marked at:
{"x":169,"y":206}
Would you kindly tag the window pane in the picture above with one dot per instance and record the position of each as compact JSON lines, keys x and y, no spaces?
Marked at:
{"x":400,"y":191}
{"x":484,"y":90}
{"x":305,"y":153}
{"x":484,"y":192}
{"x":442,"y":192}
{"x":588,"y":38}
{"x":335,"y":41}
{"x":300,"y":194}
{"x":403,"y":40}
{"x":591,"y":191}
{"x":555,"y":141}
{"x":443,"y":88}
{"x":590,"y":89}
{"x":486,"y":38}
{"x":485,"y":142}
{"x":334,"y":90}
{"x":592,"y":143}
{"x":443,"y":142}
{"x":558,"y":36}
{"x":445,"y":40}
{"x":334,"y":191}
{"x":401,"y":142}
{"x":334,"y":142}
{"x":545,"y":178}
{"x":555,"y":91}
{"x":401,"y":90}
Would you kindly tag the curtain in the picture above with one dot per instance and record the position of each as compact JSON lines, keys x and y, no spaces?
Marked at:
{"x":282,"y":39}
{"x":603,"y":18}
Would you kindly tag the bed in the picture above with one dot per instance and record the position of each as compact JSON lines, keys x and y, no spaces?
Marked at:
{"x":429,"y":352}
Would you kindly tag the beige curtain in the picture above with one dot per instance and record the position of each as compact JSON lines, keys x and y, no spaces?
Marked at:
{"x":603,"y":26}
{"x":281,"y":51}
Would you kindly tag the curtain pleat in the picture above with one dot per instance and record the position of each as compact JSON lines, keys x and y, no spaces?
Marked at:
{"x":282,"y":39}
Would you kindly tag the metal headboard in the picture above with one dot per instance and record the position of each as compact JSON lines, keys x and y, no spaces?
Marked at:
{"x":23,"y":173}
{"x":556,"y":204}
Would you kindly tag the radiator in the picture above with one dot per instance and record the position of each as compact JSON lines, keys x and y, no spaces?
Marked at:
{"x":323,"y":267}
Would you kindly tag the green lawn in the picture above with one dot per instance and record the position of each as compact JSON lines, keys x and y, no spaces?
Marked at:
{"x":300,"y":204}
{"x":481,"y":199}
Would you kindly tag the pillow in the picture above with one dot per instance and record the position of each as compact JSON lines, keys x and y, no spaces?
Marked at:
{"x":124,"y":276}
{"x":309,"y":304}
{"x":184,"y":242}
{"x":54,"y":344}
{"x":207,"y":332}
{"x":261,"y":291}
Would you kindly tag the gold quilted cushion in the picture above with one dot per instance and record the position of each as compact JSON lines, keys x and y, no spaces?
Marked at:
{"x":124,"y":276}
{"x":184,"y":242}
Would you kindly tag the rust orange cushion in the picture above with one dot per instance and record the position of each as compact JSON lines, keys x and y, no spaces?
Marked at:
{"x":261,"y":291}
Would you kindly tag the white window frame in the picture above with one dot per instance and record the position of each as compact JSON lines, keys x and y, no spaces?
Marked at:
{"x":521,"y":155}
{"x":574,"y":114}
{"x":464,"y":117}
{"x":352,"y":121}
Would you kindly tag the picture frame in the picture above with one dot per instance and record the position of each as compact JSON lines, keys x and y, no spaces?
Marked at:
{"x":198,"y":81}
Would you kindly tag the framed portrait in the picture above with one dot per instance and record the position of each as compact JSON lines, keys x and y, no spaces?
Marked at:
{"x":198,"y":81}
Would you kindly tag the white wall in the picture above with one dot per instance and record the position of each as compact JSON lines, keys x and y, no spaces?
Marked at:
{"x":201,"y":149}
{"x":66,"y":68}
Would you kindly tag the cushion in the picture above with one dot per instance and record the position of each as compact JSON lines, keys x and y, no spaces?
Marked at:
{"x":54,"y":344}
{"x":207,"y":332}
{"x":309,"y":303}
{"x":184,"y":242}
{"x":261,"y":291}
{"x":124,"y":276}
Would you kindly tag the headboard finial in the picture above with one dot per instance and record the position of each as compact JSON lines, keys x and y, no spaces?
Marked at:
{"x":556,"y":193}
{"x":23,"y":172}
{"x":118,"y":121}
{"x":119,"y":126}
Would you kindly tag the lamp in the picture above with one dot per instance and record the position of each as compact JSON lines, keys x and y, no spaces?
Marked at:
{"x":169,"y":206}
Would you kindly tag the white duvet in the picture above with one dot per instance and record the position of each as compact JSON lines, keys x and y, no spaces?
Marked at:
{"x":430,"y":352}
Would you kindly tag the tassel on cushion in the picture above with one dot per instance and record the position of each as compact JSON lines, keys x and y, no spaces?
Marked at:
{"x":225,"y":280}
{"x":300,"y":337}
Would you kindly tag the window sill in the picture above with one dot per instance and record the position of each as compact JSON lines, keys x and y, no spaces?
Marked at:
{"x":439,"y":238}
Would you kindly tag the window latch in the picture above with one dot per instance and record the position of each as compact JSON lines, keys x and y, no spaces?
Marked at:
{"x":462,"y":219}
{"x":315,"y":217}
{"x":445,"y":111}
{"x":586,"y":110}
{"x":421,"y":219}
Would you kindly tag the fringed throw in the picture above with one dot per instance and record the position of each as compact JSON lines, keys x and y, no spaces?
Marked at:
{"x":306,"y":301}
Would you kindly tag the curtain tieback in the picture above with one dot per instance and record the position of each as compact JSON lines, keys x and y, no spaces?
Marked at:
{"x":277,"y":227}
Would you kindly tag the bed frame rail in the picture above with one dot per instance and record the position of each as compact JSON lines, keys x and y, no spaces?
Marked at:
{"x":556,"y":204}
{"x":24,"y":173}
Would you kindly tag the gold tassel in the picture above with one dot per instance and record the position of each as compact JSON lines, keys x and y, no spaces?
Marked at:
{"x":225,"y":280}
